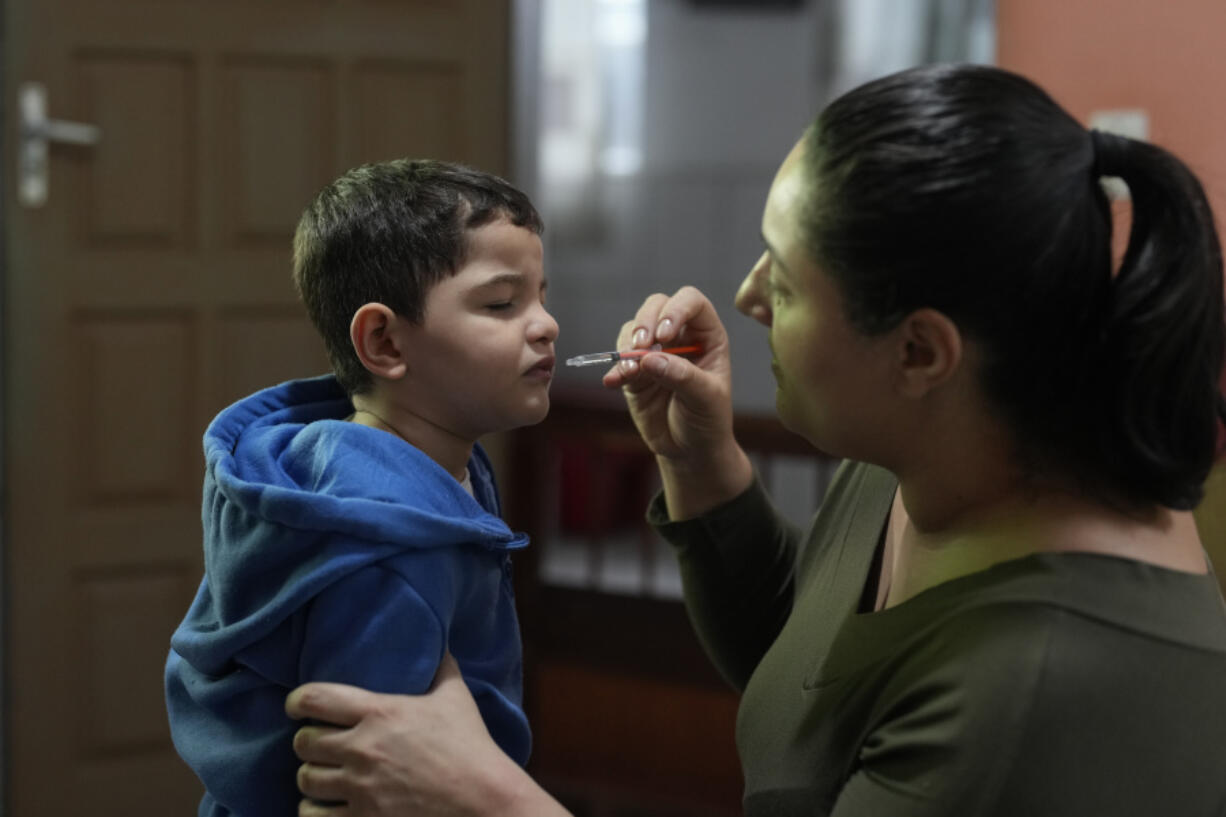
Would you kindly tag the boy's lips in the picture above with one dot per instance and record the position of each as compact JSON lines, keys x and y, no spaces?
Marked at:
{"x":543,"y":368}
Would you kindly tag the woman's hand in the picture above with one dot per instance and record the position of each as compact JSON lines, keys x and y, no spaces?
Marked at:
{"x":683,"y":408}
{"x":406,"y":756}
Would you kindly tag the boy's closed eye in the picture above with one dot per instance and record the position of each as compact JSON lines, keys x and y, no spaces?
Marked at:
{"x":505,"y":292}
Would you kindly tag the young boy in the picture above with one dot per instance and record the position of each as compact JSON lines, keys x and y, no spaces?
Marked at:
{"x":352,"y":528}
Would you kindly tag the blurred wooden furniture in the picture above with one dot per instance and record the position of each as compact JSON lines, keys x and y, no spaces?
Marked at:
{"x":629,"y":718}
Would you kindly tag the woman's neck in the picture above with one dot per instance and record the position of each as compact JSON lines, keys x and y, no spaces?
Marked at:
{"x":965,"y":502}
{"x":935,"y":535}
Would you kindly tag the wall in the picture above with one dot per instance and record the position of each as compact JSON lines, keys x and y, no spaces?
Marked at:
{"x":727,"y":90}
{"x":1166,"y":57}
{"x":727,"y":93}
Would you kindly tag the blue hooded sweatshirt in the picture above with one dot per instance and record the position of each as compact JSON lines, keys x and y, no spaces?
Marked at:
{"x":332,"y":552}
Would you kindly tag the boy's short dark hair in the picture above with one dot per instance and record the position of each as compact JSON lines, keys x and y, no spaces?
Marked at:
{"x":387,"y":232}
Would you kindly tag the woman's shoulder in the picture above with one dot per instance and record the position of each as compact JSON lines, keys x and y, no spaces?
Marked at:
{"x":1074,"y":618}
{"x":1057,"y":641}
{"x":1095,"y":593}
{"x":860,"y":480}
{"x":853,"y":509}
{"x":1091,"y":663}
{"x":1035,"y":700}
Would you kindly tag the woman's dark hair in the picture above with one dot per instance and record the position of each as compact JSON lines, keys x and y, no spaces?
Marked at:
{"x":387,"y":233}
{"x":969,"y":190}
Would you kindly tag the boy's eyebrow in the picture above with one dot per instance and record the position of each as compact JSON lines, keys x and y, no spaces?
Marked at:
{"x":513,"y":278}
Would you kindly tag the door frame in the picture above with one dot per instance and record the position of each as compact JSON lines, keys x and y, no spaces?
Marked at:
{"x":5,"y":180}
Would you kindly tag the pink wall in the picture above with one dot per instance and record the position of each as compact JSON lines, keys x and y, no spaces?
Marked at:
{"x":1166,"y":56}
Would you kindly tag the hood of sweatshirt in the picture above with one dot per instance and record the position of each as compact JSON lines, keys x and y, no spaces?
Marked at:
{"x":295,"y":498}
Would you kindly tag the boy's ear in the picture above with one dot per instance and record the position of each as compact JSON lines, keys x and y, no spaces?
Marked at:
{"x":929,"y":352}
{"x":377,"y":342}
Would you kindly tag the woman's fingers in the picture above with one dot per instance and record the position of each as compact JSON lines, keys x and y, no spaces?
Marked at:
{"x":337,"y":704}
{"x":688,"y":309}
{"x":665,"y":319}
{"x":398,"y":754}
{"x":634,"y":334}
{"x":310,"y":808}
{"x":318,"y":744}
{"x":640,"y":332}
{"x":692,"y":385}
{"x":323,"y":785}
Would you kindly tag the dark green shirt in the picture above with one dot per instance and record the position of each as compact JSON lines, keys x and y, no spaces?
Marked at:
{"x":1055,"y":684}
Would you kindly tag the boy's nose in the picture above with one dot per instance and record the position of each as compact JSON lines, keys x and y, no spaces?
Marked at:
{"x":543,"y":327}
{"x":752,"y":298}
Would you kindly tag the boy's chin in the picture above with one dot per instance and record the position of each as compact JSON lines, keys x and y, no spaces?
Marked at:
{"x":537,"y":413}
{"x":528,"y":416}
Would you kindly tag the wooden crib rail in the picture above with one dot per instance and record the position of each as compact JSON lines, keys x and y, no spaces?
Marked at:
{"x":629,"y":717}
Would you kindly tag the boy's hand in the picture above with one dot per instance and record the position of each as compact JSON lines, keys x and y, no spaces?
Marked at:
{"x":683,"y":408}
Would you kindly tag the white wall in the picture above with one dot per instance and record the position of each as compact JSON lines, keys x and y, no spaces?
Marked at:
{"x":726,"y":94}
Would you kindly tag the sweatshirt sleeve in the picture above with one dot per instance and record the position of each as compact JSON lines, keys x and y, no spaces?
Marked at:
{"x":374,"y":629}
{"x":737,"y":570}
{"x":371,"y":628}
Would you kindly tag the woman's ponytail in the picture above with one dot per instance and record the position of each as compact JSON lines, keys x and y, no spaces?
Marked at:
{"x":1164,"y":333}
{"x":967,"y":189}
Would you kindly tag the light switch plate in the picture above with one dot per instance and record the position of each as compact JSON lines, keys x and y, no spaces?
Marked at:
{"x":1130,"y":122}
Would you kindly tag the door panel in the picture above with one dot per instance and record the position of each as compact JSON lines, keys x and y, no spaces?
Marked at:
{"x":152,"y":290}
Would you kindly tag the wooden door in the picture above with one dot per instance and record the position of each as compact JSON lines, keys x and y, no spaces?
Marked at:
{"x":151,"y":290}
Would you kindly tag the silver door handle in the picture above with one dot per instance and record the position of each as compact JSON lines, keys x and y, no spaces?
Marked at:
{"x":37,"y":133}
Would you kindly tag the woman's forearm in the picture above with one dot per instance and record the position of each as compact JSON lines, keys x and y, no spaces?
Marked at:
{"x":407,"y":755}
{"x":518,"y":795}
{"x":693,"y":487}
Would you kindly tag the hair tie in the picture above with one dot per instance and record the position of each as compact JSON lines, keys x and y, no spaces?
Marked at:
{"x":1108,"y":148}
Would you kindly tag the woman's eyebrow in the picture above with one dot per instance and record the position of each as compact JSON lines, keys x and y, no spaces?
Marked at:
{"x":776,"y":258}
{"x":770,"y":248}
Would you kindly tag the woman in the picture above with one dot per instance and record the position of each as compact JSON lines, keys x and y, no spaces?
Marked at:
{"x":1002,"y":607}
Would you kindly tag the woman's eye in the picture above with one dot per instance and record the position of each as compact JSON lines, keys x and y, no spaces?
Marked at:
{"x":499,"y":306}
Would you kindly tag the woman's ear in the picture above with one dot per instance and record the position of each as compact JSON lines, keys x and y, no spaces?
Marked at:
{"x":930,"y":352}
{"x":376,"y":340}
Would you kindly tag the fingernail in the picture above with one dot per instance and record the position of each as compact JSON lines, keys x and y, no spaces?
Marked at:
{"x":640,"y":336}
{"x":629,"y":366}
{"x":665,"y":328}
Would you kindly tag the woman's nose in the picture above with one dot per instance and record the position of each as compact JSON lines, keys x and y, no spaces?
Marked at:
{"x":752,"y":298}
